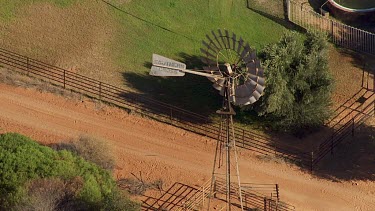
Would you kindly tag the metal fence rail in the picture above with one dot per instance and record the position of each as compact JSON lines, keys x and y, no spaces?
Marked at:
{"x":340,"y":34}
{"x":256,"y":195}
{"x":344,"y":131}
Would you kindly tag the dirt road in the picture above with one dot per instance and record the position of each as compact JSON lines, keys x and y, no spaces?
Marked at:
{"x":163,"y":152}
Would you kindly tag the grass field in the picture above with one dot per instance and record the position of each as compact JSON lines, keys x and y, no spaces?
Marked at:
{"x":113,"y":40}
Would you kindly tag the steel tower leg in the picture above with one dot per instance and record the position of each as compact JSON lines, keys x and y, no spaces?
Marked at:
{"x":229,"y":143}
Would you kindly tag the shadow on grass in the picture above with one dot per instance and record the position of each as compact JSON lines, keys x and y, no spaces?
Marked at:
{"x":191,"y":92}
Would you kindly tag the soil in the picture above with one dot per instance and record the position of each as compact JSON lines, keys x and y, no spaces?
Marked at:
{"x":164,"y":152}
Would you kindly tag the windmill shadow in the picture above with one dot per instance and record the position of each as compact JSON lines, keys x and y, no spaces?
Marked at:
{"x":190,"y":92}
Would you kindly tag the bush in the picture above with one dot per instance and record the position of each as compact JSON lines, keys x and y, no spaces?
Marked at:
{"x":95,"y":150}
{"x":298,"y":92}
{"x":23,"y":160}
{"x":92,"y":149}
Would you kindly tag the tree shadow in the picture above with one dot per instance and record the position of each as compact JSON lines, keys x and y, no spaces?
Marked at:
{"x":352,"y":160}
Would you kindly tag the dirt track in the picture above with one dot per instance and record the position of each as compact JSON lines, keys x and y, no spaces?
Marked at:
{"x":162,"y":151}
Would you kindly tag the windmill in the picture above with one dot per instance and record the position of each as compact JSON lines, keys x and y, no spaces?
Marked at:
{"x":232,"y":67}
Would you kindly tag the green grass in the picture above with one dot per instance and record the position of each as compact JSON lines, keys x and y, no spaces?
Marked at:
{"x":175,"y":29}
{"x":172,"y":27}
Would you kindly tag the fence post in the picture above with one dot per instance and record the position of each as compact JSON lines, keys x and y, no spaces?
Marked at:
{"x":64,"y":78}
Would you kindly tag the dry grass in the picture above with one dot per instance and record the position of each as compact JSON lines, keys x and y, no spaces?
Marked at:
{"x":17,"y":79}
{"x":75,"y":37}
{"x":92,"y":149}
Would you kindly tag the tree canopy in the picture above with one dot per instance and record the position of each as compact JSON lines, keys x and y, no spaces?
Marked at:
{"x":299,"y":85}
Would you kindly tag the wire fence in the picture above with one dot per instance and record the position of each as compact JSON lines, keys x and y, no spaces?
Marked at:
{"x":341,"y":34}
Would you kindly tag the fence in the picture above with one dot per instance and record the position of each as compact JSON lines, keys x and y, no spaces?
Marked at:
{"x":264,"y":196}
{"x":340,"y":34}
{"x":167,"y":113}
{"x":342,"y":132}
{"x":146,"y":106}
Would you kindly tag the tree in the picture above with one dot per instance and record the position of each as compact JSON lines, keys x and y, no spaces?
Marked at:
{"x":298,"y":83}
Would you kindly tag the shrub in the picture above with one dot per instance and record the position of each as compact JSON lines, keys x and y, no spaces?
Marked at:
{"x":297,"y":96}
{"x":23,"y":160}
{"x":95,"y":150}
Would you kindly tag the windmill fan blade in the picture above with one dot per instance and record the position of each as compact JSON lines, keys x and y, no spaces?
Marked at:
{"x":241,"y":100}
{"x":244,"y":75}
{"x":217,"y":40}
{"x":259,"y":88}
{"x":257,"y":79}
{"x":234,"y":41}
{"x":253,"y":55}
{"x":244,"y":90}
{"x":248,"y":58}
{"x":252,"y":100}
{"x":260,"y":72}
{"x":251,"y":68}
{"x":261,"y":81}
{"x":256,"y":94}
{"x":257,"y":63}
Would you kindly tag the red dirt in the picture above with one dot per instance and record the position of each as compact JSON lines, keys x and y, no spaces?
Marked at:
{"x":164,"y":152}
